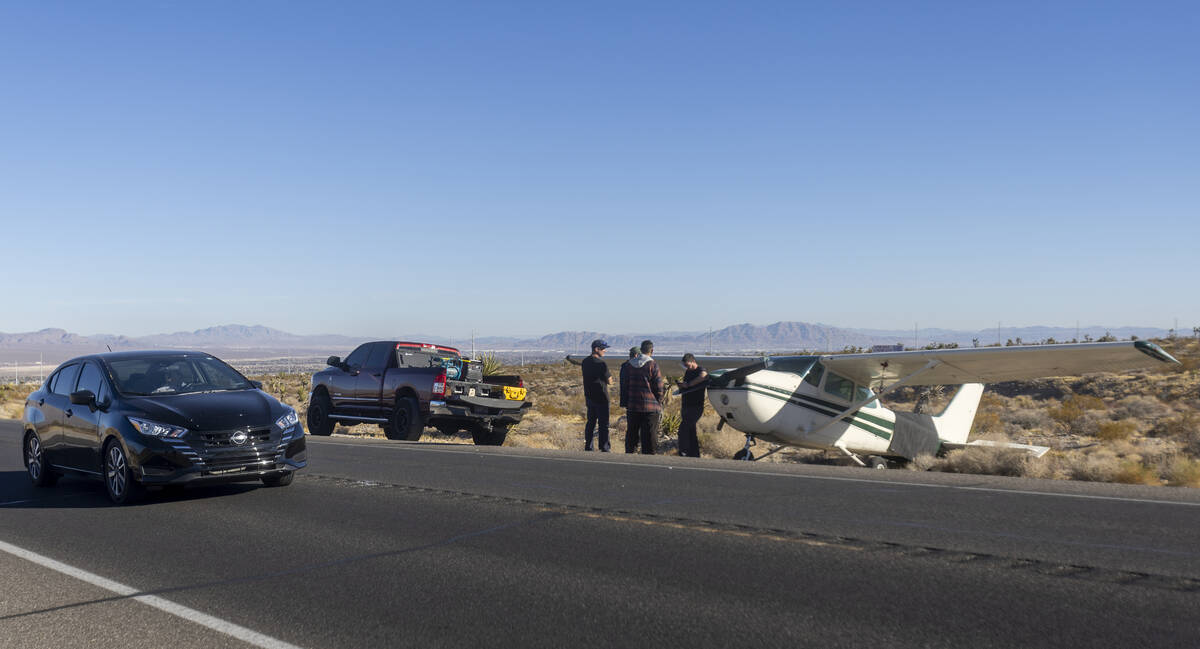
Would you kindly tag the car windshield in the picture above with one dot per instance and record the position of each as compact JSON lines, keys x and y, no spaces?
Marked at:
{"x":159,"y":375}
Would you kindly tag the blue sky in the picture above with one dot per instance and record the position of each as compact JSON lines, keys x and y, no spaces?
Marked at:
{"x":522,"y":168}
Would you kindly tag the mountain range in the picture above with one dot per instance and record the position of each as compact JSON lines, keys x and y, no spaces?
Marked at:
{"x":241,"y":340}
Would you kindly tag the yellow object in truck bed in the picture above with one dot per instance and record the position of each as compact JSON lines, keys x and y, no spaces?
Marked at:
{"x":515,"y":394}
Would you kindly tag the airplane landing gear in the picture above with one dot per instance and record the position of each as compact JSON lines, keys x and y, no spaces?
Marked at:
{"x":745,"y":453}
{"x":876,"y":462}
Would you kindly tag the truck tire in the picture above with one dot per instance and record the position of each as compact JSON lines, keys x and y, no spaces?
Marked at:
{"x":486,"y":436}
{"x":499,"y":434}
{"x":405,"y":422}
{"x":319,"y":422}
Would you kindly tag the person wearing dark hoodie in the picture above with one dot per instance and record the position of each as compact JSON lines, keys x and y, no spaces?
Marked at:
{"x":596,"y":380}
{"x":646,"y":391}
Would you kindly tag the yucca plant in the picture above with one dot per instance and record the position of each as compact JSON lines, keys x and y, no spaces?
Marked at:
{"x":670,"y":423}
{"x":491,"y":364}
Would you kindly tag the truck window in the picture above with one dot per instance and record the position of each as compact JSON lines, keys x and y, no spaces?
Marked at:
{"x":359,"y":355}
{"x":378,"y":360}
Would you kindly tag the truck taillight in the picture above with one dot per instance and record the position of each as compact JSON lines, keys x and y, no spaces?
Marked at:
{"x":440,"y":386}
{"x":520,"y":383}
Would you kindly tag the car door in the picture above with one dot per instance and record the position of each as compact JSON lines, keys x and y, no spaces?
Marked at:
{"x":81,"y":423}
{"x":343,"y":383}
{"x":370,"y":380}
{"x":57,"y":401}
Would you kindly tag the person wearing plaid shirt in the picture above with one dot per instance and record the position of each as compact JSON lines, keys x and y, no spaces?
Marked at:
{"x":644,"y":395}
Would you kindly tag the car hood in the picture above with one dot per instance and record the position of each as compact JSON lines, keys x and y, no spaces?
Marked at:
{"x":211,"y":410}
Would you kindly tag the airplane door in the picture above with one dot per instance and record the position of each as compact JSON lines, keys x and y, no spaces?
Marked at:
{"x":81,"y":424}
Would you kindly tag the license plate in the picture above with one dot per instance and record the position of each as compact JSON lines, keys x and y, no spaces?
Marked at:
{"x":514,"y":394}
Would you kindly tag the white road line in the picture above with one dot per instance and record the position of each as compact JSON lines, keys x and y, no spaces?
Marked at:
{"x":203,"y":619}
{"x":1026,"y":492}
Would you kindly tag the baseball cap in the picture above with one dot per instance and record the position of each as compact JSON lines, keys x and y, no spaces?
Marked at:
{"x":598,"y":343}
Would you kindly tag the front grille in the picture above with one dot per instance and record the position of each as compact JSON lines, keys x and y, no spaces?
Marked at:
{"x":224,"y":439}
{"x":215,"y":451}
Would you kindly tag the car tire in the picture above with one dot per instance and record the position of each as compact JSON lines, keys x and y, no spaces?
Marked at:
{"x":405,"y":422}
{"x":279,"y":480}
{"x":119,"y":482}
{"x":35,"y":462}
{"x":319,"y":409}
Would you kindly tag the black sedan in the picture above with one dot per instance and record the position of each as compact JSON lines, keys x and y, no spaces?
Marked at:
{"x":138,"y":419}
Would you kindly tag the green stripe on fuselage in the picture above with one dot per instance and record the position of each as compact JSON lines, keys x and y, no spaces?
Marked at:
{"x":858,"y":419}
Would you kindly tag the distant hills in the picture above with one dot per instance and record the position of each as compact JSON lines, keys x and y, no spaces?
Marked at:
{"x":243,"y":341}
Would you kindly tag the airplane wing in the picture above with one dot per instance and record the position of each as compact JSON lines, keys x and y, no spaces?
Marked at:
{"x":995,"y":364}
{"x":669,"y":364}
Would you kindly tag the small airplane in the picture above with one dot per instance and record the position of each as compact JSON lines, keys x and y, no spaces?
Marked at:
{"x":831,"y":402}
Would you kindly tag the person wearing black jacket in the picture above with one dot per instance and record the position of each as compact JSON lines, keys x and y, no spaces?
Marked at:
{"x":692,"y":389}
{"x":596,"y":380}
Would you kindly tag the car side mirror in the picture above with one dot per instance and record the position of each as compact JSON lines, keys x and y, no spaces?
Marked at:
{"x":257,"y":384}
{"x":84,"y":398}
{"x":334,"y":361}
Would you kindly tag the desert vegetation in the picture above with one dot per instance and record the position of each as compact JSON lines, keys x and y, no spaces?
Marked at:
{"x":1138,"y":428}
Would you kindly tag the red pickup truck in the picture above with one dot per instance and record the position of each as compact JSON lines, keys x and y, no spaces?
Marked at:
{"x":406,"y":386}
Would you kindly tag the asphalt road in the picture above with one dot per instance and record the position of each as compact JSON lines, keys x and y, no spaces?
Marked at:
{"x":391,"y":544}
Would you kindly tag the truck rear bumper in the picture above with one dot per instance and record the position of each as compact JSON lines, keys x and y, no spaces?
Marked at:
{"x":468,"y":410}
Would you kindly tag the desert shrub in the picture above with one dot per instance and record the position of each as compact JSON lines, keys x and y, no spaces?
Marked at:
{"x":669,"y":425}
{"x":985,"y":460}
{"x":1183,"y":472}
{"x":547,"y":432}
{"x":1141,"y":407}
{"x":923,"y":463}
{"x":1094,"y":467}
{"x":1133,"y":472}
{"x":1028,"y":418}
{"x":985,"y":423}
{"x":1114,"y":430}
{"x":1070,"y":414}
{"x":1184,"y":429}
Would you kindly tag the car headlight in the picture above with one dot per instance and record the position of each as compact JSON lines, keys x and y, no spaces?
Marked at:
{"x":288,"y":420}
{"x":155,"y":429}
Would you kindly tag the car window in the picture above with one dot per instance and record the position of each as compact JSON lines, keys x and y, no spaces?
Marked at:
{"x":839,"y":387}
{"x":379,"y":356}
{"x":64,"y":383}
{"x":90,"y":378}
{"x":175,"y":375}
{"x":358,"y":356}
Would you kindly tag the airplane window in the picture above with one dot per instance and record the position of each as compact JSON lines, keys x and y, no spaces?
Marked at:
{"x":861,"y":393}
{"x":839,"y":387}
{"x":813,"y":377}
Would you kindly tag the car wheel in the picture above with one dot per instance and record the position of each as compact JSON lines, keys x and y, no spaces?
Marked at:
{"x":119,"y":482}
{"x":35,"y":462}
{"x":405,"y":422}
{"x":280,"y":480}
{"x":319,"y":422}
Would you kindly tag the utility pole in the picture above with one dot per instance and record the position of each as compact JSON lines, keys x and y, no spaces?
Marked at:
{"x":998,"y":341}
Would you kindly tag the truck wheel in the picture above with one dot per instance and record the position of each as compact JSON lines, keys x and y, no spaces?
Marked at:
{"x":499,"y":434}
{"x":319,"y":422}
{"x":405,"y":422}
{"x":485,"y":436}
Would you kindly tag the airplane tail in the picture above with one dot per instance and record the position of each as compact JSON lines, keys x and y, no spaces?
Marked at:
{"x":954,"y":424}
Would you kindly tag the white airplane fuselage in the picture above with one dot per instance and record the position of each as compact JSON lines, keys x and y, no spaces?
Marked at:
{"x":783,"y":408}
